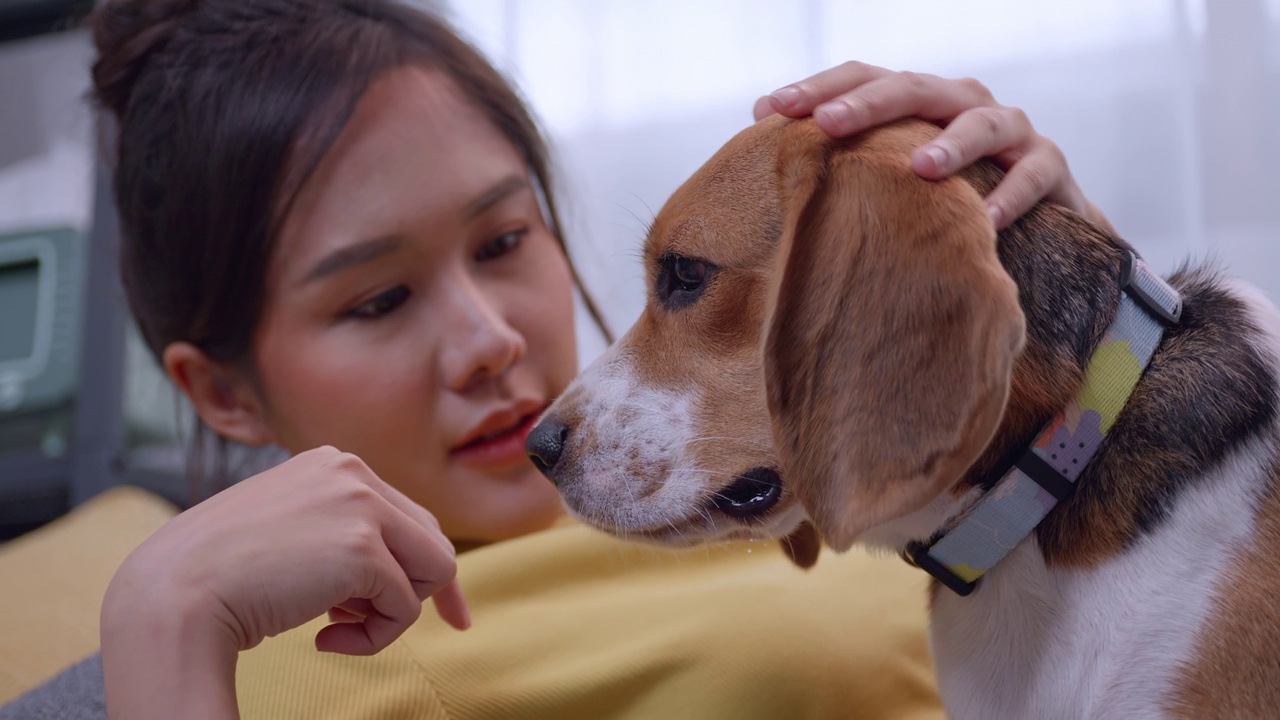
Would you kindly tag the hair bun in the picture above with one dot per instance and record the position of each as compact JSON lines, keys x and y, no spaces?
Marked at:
{"x":126,"y":33}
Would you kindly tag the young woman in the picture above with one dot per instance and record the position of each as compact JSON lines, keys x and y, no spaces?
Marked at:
{"x":340,"y":237}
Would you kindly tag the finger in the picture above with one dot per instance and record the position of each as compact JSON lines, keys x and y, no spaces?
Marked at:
{"x":340,"y":615}
{"x":1062,"y":188}
{"x":1026,"y":183}
{"x":451,"y":605}
{"x":394,"y":607}
{"x":800,"y":98}
{"x":355,"y":606}
{"x":356,"y":468}
{"x":899,"y":95}
{"x":973,"y":134}
{"x":763,"y":108}
{"x":1095,"y":215}
{"x":1069,"y":195}
{"x":423,"y":554}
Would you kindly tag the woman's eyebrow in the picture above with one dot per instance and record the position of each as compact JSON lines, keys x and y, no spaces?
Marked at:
{"x":507,"y":186}
{"x":361,"y":252}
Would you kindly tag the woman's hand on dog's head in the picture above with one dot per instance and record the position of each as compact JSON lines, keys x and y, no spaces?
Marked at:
{"x":853,"y":97}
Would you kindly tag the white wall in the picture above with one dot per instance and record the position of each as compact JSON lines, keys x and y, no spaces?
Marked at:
{"x":1167,"y":109}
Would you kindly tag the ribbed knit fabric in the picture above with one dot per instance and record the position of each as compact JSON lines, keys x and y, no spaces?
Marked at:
{"x":569,"y":623}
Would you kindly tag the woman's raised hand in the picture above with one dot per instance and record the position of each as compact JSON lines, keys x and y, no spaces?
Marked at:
{"x":854,"y":96}
{"x":318,"y":533}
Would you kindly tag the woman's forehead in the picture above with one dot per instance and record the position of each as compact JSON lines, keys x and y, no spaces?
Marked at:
{"x":415,"y":151}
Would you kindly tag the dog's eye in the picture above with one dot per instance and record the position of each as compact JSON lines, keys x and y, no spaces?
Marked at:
{"x":681,"y":280}
{"x":689,"y":273}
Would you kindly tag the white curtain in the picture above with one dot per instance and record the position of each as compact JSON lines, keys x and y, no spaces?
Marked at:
{"x":1168,"y":110}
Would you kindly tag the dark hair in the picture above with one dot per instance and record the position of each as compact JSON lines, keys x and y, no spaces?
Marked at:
{"x":223,"y":108}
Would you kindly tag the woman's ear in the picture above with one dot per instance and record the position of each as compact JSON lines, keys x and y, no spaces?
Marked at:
{"x":223,"y":399}
{"x":892,"y":330}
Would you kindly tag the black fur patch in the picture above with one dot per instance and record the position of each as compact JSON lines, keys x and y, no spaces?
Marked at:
{"x":1207,"y":390}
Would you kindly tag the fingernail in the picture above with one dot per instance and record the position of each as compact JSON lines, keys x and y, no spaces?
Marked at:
{"x":836,"y":116}
{"x":786,"y":96}
{"x":997,"y":215}
{"x":939,"y":155}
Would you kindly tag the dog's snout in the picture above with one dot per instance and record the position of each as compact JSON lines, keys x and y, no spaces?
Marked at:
{"x":752,"y":494}
{"x":545,"y":445}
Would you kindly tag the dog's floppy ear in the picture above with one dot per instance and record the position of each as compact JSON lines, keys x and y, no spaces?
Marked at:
{"x":892,"y":330}
{"x":803,"y":545}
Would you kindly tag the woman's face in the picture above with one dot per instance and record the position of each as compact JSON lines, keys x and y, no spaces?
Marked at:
{"x":419,"y":311}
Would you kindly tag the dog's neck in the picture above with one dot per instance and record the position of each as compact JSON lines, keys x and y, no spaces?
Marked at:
{"x":1068,"y":273}
{"x":1045,"y":472}
{"x":1098,"y":608}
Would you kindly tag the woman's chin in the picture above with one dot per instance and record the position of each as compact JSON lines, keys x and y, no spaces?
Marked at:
{"x":506,"y":509}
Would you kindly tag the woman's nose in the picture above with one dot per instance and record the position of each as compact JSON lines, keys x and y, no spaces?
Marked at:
{"x":479,"y":342}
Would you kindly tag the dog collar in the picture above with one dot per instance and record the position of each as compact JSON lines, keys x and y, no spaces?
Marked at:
{"x":1046,"y":472}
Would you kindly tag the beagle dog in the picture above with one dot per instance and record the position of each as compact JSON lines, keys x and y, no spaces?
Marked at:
{"x":836,"y":351}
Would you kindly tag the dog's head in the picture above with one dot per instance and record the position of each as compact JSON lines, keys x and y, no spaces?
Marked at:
{"x":827,"y":344}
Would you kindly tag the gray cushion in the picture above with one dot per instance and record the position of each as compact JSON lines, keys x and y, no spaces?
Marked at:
{"x":74,"y":694}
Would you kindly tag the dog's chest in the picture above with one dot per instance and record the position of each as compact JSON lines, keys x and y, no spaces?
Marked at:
{"x":1108,"y":642}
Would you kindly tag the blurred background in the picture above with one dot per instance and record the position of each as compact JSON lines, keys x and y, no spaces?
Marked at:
{"x":1166,"y":109}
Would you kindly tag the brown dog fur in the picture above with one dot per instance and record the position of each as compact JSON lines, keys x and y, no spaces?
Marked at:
{"x":867,"y":299}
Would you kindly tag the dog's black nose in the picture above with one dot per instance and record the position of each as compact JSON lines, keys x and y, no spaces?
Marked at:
{"x":545,"y":445}
{"x":751,"y":495}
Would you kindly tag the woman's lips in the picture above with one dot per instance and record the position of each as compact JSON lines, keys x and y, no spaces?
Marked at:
{"x":499,"y":449}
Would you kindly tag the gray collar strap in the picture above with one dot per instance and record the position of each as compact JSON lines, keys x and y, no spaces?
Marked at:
{"x":1046,"y":472}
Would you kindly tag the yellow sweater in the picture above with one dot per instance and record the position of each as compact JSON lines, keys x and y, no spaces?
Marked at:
{"x":569,"y":623}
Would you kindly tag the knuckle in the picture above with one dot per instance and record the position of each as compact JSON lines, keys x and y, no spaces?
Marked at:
{"x":914,"y":80}
{"x":352,"y":492}
{"x":1009,"y":158}
{"x":1038,"y":180}
{"x":1055,"y":153}
{"x":359,"y":495}
{"x":348,"y":460}
{"x":350,"y":465}
{"x":412,"y":612}
{"x":853,"y":66}
{"x":856,"y":109}
{"x":323,"y":453}
{"x":364,"y":540}
{"x":432,"y":523}
{"x":976,"y":87}
{"x":1018,"y":118}
{"x":448,"y":568}
{"x":988,"y":119}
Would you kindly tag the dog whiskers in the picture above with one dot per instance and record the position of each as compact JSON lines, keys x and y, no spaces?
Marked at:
{"x":675,"y":529}
{"x":702,"y":512}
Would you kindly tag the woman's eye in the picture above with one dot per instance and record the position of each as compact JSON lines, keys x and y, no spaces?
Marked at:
{"x":681,"y":280}
{"x":381,"y":305}
{"x":500,"y":245}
